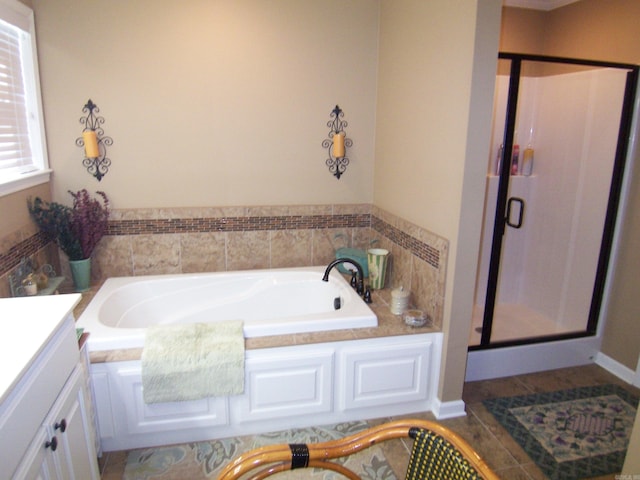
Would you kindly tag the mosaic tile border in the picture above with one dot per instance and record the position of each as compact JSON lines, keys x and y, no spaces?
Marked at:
{"x":422,"y":250}
{"x":26,"y":248}
{"x":237,"y":224}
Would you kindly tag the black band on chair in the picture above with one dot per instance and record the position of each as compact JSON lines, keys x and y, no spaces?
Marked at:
{"x":299,"y":455}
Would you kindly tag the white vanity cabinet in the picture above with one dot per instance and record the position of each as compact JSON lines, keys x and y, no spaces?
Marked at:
{"x":45,"y":429}
{"x":63,"y":446}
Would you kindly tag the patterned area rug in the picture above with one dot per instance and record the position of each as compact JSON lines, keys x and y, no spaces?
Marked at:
{"x":204,"y":460}
{"x":571,"y":434}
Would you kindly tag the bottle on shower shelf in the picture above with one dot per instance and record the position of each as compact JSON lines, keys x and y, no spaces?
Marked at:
{"x":499,"y":160}
{"x":515,"y":160}
{"x":527,"y":161}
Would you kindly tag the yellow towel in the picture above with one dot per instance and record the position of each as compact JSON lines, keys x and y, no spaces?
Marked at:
{"x":193,"y":361}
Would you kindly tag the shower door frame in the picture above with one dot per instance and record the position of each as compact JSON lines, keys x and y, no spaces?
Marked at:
{"x":617,"y":175}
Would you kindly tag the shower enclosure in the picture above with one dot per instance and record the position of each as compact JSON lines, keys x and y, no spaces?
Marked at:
{"x":561,"y":130}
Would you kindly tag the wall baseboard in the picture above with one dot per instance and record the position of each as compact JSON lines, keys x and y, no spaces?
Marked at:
{"x":453,"y":409}
{"x":619,"y":370}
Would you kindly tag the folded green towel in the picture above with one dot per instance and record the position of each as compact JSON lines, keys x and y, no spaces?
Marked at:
{"x":193,"y":361}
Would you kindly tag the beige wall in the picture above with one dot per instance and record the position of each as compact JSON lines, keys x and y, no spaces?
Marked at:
{"x":622,"y":328}
{"x":211,"y":102}
{"x":602,"y":31}
{"x":589,"y":29}
{"x":478,"y":134}
{"x":422,"y":110}
{"x":432,"y":139}
{"x":15,"y":215}
{"x":226,"y":103}
{"x":523,"y":30}
{"x":595,"y":29}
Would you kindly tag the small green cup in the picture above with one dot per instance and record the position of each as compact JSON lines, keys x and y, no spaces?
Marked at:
{"x":377,"y":261}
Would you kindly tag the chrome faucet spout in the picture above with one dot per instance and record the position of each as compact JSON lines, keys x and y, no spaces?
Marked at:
{"x":338,"y":261}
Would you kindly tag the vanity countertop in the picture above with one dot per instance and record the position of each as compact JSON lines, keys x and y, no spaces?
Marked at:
{"x":27,"y":325}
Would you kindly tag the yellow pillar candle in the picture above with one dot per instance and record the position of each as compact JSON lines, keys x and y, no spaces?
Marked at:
{"x":90,"y":144}
{"x":338,"y":145}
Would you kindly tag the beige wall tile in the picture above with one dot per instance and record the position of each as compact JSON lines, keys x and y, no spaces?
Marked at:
{"x":361,"y":237}
{"x":112,"y":258}
{"x":424,"y":288}
{"x":326,"y":242}
{"x":310,"y":209}
{"x":399,"y":268}
{"x":5,"y":290}
{"x":291,"y":248}
{"x":134,"y":214}
{"x":344,"y":209}
{"x":248,"y":250}
{"x":155,"y":254}
{"x":202,"y":252}
{"x":267,"y":211}
{"x":9,"y":240}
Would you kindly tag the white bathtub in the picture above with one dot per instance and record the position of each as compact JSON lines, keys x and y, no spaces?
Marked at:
{"x":270,"y":302}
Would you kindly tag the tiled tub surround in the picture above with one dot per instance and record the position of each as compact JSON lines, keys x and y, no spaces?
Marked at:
{"x":187,"y":240}
{"x":180,"y":241}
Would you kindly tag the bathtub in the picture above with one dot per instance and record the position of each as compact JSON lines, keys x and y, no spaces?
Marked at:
{"x":332,"y":380}
{"x":270,"y":302}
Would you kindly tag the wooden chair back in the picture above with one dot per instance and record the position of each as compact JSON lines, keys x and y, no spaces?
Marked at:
{"x":437,"y":453}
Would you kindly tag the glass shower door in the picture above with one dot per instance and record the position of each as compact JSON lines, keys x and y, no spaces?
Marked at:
{"x":558,"y":151}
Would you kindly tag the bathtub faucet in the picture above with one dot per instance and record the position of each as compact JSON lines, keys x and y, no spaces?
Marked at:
{"x":360,"y":282}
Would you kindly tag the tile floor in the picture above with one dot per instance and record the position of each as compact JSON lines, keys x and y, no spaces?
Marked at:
{"x":478,"y":427}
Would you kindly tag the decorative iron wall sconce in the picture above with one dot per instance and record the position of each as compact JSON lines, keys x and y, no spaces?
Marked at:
{"x":94,"y":142}
{"x":337,"y":143}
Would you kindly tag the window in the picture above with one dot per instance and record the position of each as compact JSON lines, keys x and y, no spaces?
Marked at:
{"x":23,"y":156}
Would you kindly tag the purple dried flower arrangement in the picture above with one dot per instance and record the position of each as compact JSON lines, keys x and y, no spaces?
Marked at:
{"x":78,"y":229}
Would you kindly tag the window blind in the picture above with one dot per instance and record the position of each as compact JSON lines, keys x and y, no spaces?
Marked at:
{"x":15,"y":150}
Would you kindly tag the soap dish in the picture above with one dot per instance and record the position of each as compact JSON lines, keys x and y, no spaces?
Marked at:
{"x":415,"y":318}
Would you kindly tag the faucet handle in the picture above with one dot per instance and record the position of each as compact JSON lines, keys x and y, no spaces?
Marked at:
{"x":354,"y":279}
{"x":367,"y":295}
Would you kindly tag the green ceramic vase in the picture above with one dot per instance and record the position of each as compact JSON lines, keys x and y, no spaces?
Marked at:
{"x":81,"y":274}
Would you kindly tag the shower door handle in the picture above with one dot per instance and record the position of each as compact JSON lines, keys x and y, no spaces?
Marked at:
{"x":510,"y":203}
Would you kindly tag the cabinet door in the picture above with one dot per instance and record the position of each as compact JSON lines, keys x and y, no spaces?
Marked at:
{"x":38,"y":462}
{"x":283,"y":386}
{"x":132,"y":415}
{"x":377,"y":375}
{"x":69,"y":422}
